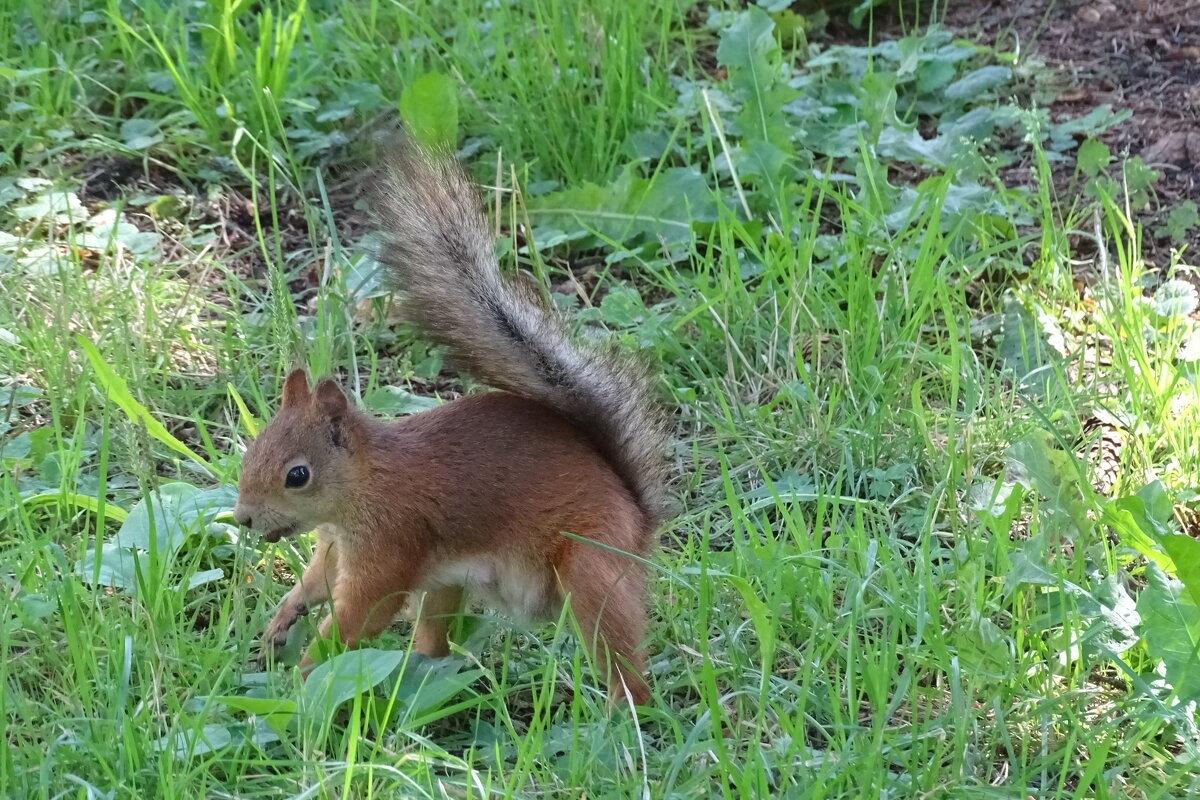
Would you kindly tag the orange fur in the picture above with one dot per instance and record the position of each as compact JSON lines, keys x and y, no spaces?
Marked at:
{"x":474,"y":494}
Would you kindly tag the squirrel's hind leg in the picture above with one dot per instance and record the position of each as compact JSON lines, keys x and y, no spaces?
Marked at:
{"x":436,"y":610}
{"x":607,"y":595}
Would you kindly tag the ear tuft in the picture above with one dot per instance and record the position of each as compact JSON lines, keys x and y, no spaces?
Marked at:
{"x":295,"y":388}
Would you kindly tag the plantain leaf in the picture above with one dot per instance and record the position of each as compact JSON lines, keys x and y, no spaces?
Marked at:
{"x":1171,"y":628}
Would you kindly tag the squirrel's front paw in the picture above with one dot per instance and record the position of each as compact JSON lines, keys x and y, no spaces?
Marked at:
{"x":276,"y":634}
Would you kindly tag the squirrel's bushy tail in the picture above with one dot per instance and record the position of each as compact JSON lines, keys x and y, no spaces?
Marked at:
{"x":441,"y":255}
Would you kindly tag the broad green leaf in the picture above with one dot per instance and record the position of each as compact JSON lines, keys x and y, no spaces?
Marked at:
{"x":1160,"y":510}
{"x":1026,"y":348}
{"x":347,"y":675}
{"x":877,"y":92}
{"x":160,"y":82}
{"x":662,"y":208}
{"x":984,"y":647}
{"x":1142,"y":521}
{"x":623,"y":307}
{"x":107,"y":227}
{"x":203,"y":577}
{"x":911,"y":146}
{"x":118,"y":567}
{"x":163,"y":524}
{"x":860,"y":11}
{"x":1181,"y":220}
{"x":1093,"y":157}
{"x":61,"y":208}
{"x":790,"y":28}
{"x":1175,"y":298}
{"x":10,"y":190}
{"x":1023,"y":569}
{"x":11,"y":74}
{"x":174,"y":512}
{"x":140,"y":134}
{"x":1062,"y":134}
{"x":140,"y":242}
{"x":194,"y":742}
{"x":36,"y":606}
{"x":276,"y":712}
{"x":1053,"y":473}
{"x":1171,"y":628}
{"x":396,"y":401}
{"x":429,"y":107}
{"x":678,"y":193}
{"x":756,"y":76}
{"x":1100,"y":619}
{"x":934,"y":74}
{"x":756,"y":158}
{"x":429,"y":368}
{"x":597,"y":205}
{"x":428,"y":684}
{"x":997,"y":503}
{"x":424,"y":684}
{"x":364,"y":277}
{"x":1185,"y":553}
{"x":167,"y":206}
{"x":744,"y":42}
{"x":1114,"y":618}
{"x":978,"y":124}
{"x":974,"y":84}
{"x":1139,"y":176}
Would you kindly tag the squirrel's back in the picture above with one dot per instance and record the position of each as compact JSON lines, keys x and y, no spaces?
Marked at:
{"x":441,"y":255}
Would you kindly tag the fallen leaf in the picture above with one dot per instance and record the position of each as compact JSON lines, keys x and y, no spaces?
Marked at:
{"x":1180,"y":147}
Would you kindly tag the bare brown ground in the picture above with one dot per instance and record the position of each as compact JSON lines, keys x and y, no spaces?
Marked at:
{"x":1137,"y":55}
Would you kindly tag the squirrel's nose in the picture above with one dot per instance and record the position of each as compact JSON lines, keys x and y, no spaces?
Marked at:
{"x":243,"y":517}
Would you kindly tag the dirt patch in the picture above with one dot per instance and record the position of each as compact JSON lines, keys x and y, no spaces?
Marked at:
{"x":1137,"y":55}
{"x":109,"y":179}
{"x":222,"y":214}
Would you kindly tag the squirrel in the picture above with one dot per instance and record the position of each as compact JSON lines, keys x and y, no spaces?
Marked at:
{"x":526,"y":496}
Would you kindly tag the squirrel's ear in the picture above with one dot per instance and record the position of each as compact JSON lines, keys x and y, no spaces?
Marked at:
{"x":332,"y":403}
{"x":329,"y":398}
{"x":295,"y":388}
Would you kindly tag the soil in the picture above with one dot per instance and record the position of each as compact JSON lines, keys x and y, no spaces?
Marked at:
{"x":1137,"y":55}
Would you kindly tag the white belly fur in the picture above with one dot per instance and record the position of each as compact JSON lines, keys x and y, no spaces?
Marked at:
{"x":514,"y":589}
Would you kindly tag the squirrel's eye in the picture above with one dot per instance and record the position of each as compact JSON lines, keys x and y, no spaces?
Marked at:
{"x":296,"y":477}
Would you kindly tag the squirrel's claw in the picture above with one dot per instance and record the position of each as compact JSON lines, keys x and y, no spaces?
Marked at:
{"x":276,"y":634}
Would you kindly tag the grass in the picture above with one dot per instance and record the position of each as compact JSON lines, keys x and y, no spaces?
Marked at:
{"x":892,"y":575}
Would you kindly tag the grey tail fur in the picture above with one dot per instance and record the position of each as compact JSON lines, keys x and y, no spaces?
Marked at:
{"x":441,"y":255}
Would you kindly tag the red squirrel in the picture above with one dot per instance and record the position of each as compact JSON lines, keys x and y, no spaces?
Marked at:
{"x":479,"y":493}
